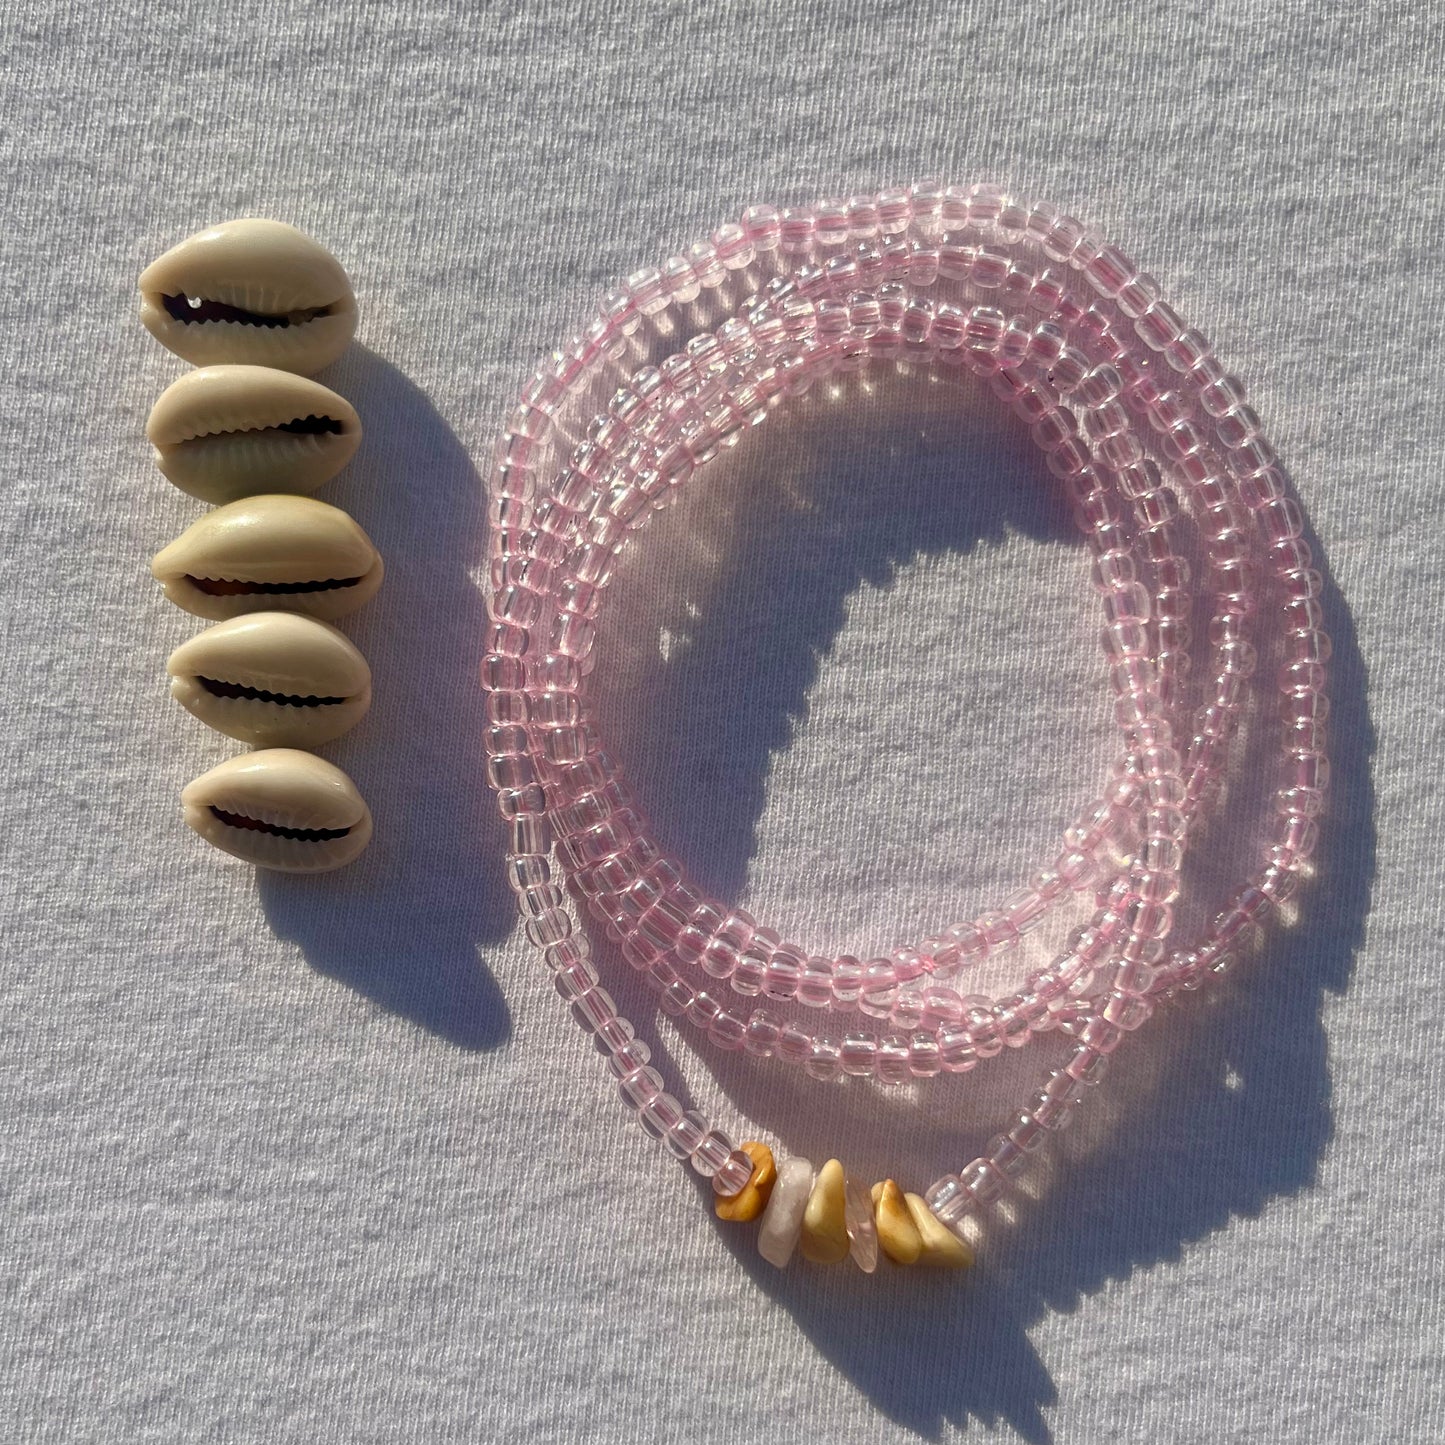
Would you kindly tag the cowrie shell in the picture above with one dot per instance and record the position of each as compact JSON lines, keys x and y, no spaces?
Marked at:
{"x":272,"y":679}
{"x":250,"y":291}
{"x":226,"y":432}
{"x":269,"y":554}
{"x":281,"y":809}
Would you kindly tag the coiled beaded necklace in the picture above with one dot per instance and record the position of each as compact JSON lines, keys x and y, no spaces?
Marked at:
{"x":1148,"y":435}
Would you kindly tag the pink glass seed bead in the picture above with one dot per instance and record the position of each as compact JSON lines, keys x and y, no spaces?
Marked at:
{"x":712,"y":1152}
{"x":733,"y":1174}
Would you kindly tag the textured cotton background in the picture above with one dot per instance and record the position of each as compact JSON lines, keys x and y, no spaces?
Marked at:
{"x":324,"y":1160}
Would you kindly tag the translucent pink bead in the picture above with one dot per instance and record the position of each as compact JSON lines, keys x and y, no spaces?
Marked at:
{"x":782,"y":973}
{"x":1008,"y":1157}
{"x":950,"y":1200}
{"x":1088,"y":1066}
{"x":858,"y":1218}
{"x":847,"y":980}
{"x":893,"y":1062}
{"x":633,"y":1054}
{"x":824,"y":1059}
{"x":733,"y":1174}
{"x":573,"y":980}
{"x":924,"y":1056}
{"x":659,"y":1117}
{"x":815,"y":983}
{"x":982,"y":1180}
{"x":762,"y":226}
{"x":760,"y":1037}
{"x":686,"y":1134}
{"x":956,"y":1051}
{"x":727,"y":1031}
{"x":711,"y":1153}
{"x":858,"y":1053}
{"x":1027,"y":1133}
{"x":641,"y":1086}
{"x":880,"y":989}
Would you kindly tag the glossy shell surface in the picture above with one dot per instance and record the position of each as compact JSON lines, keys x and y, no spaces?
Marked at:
{"x":250,"y":291}
{"x":272,"y":679}
{"x":280,"y":809}
{"x":226,"y":432}
{"x":270,"y":553}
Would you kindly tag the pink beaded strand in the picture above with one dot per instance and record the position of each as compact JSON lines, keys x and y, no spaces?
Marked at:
{"x":1149,"y":437}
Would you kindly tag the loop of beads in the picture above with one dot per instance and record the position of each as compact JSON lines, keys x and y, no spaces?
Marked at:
{"x":1148,"y":435}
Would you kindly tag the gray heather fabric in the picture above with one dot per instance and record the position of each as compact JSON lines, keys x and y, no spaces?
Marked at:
{"x":324,"y":1161}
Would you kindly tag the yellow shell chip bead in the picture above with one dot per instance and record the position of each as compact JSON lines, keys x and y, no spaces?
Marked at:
{"x":942,"y":1248}
{"x":825,"y":1225}
{"x":898,"y":1235}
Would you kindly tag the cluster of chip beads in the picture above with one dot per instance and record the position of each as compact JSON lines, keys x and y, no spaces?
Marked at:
{"x":255,"y":292}
{"x":260,"y":306}
{"x":1192,"y":534}
{"x":831,"y":1216}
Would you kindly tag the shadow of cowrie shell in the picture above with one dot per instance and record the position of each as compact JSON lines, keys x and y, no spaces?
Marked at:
{"x":280,"y":809}
{"x":226,"y":432}
{"x":272,"y":679}
{"x":251,"y":291}
{"x":270,"y":553}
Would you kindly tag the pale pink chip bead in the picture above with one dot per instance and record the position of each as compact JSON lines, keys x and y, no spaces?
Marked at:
{"x":783,"y":1218}
{"x":862,"y":1232}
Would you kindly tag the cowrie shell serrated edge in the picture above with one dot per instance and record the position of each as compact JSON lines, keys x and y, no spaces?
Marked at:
{"x":271,"y":541}
{"x":284,"y":654}
{"x":217,"y":433}
{"x":262,"y":267}
{"x":280,"y":788}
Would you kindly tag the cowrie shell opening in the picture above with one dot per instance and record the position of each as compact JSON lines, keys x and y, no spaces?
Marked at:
{"x":250,"y":291}
{"x":280,"y":809}
{"x":269,"y":554}
{"x":226,"y":432}
{"x":272,"y":679}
